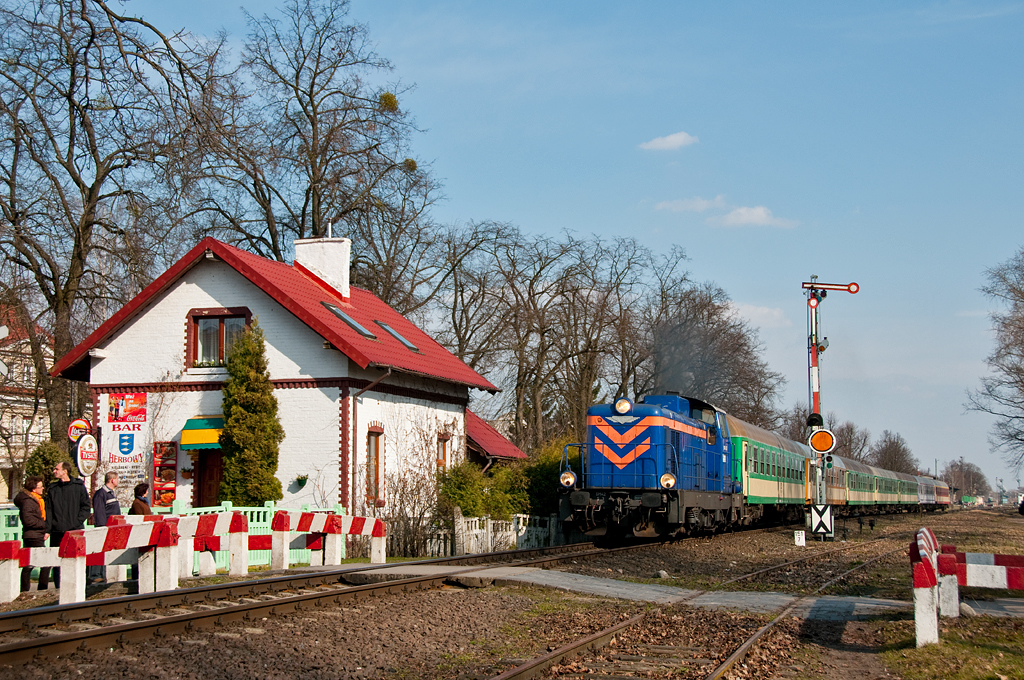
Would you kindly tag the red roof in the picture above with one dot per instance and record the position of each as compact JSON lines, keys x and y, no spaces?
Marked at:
{"x":489,"y":439}
{"x":302,"y":295}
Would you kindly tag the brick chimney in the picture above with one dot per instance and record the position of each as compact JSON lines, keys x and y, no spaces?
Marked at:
{"x":325,"y":259}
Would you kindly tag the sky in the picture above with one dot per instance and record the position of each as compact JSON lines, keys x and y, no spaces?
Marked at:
{"x":872,"y":142}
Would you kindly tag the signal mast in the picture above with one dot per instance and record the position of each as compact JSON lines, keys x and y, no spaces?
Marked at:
{"x":821,"y":440}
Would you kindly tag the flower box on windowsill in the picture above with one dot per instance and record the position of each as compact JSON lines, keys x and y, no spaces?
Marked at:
{"x":212,"y":371}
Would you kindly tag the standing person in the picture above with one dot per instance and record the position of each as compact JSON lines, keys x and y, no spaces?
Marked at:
{"x":139,"y":507}
{"x":104,"y":506}
{"x":67,"y":508}
{"x":33,"y":522}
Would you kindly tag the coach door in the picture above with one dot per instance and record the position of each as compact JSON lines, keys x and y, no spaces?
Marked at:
{"x":747,"y":463}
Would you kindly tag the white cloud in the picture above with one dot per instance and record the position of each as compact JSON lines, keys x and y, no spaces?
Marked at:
{"x":758,"y":216}
{"x":671,"y":142}
{"x":695,"y":204}
{"x":762,"y":317}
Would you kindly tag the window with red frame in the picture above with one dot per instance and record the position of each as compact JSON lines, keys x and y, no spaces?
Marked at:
{"x":375,"y":466}
{"x":213,"y":333}
{"x":443,"y":450}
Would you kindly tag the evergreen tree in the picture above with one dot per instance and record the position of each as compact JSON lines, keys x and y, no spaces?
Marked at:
{"x":252,"y":430}
{"x":44,"y":458}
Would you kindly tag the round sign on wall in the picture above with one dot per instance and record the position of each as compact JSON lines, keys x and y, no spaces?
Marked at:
{"x":88,"y":454}
{"x":78,"y":427}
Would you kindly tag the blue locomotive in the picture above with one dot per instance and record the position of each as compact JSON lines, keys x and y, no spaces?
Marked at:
{"x":677,"y":465}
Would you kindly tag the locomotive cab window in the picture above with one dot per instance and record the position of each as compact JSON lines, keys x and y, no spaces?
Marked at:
{"x":712,"y":437}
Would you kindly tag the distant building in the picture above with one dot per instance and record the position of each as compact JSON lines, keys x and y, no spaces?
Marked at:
{"x":24,"y":421}
{"x":365,"y":397}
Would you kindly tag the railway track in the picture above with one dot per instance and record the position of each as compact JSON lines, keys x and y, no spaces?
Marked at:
{"x":669,"y":658}
{"x":62,"y":629}
{"x":59,"y":630}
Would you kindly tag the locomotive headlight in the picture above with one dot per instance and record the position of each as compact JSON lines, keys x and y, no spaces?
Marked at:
{"x":567,"y":478}
{"x":668,"y":480}
{"x":622,"y":406}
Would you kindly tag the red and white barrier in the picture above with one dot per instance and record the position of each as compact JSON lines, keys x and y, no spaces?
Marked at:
{"x":324,"y":533}
{"x":948,"y":571}
{"x":923,"y":559}
{"x":164,"y":547}
{"x":153,"y":546}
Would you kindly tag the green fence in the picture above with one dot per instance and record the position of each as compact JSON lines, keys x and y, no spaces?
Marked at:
{"x":10,"y":524}
{"x":259,"y":524}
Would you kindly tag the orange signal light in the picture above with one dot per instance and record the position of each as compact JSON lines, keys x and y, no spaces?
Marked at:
{"x":822,"y":441}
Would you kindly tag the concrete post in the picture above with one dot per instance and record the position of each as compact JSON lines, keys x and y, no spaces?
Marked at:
{"x":334,"y":550}
{"x":553,"y":532}
{"x":186,"y":556}
{"x":72,"y":579}
{"x":238,"y":557}
{"x":166,"y":565}
{"x":207,"y":563}
{"x":10,"y":573}
{"x":926,"y":616}
{"x":279,"y":549}
{"x":117,"y":572}
{"x":147,"y":570}
{"x":489,"y":532}
{"x":377,"y":550}
{"x":949,"y":597}
{"x":949,"y":588}
{"x":459,"y":529}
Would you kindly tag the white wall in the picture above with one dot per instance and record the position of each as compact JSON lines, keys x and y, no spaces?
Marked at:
{"x":151,"y":348}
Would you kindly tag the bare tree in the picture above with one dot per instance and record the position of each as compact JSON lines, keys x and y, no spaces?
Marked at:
{"x":965,"y":478}
{"x":891,"y":452}
{"x":92,"y":107}
{"x":297,"y":138}
{"x":702,"y":348}
{"x":1002,"y":392}
{"x":852,"y":442}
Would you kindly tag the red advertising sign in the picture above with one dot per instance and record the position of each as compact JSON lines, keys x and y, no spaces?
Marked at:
{"x":88,"y":454}
{"x":78,"y":427}
{"x":126,"y":407}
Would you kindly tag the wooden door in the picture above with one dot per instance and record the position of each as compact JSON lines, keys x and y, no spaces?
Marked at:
{"x":209,"y":472}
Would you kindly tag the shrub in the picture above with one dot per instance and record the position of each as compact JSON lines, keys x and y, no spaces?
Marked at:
{"x":542,"y":475}
{"x":252,"y":430}
{"x":44,"y":458}
{"x":500,"y":494}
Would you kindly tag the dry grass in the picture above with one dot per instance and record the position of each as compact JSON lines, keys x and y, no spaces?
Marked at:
{"x":979,"y":648}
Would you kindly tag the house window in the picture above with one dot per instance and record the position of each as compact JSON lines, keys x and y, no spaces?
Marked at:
{"x":212,"y":334}
{"x":375,"y":466}
{"x":443,"y":450}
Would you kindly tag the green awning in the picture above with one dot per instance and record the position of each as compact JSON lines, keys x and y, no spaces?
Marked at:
{"x":202,"y":432}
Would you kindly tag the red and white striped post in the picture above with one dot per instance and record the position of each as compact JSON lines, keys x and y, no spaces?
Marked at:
{"x":923,"y":558}
{"x":816,"y":292}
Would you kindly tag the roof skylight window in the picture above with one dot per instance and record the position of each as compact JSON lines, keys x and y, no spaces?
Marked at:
{"x":355,"y":325}
{"x":398,"y":336}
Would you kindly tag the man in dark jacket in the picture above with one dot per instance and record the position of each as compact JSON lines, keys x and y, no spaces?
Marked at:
{"x":67,"y":508}
{"x":104,"y":506}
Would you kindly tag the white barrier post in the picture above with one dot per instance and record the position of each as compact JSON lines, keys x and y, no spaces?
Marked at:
{"x":378,"y":554}
{"x":926,"y":605}
{"x":147,"y":570}
{"x":10,"y":573}
{"x":280,"y":529}
{"x":186,"y":545}
{"x":238,"y":560}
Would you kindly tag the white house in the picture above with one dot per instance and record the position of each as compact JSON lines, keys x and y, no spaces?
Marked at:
{"x":365,"y":397}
